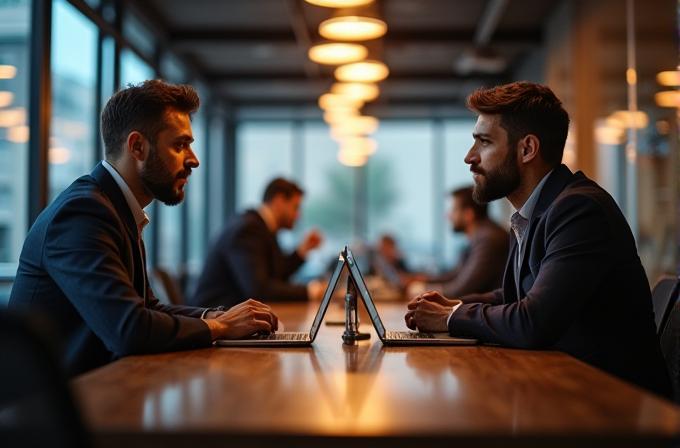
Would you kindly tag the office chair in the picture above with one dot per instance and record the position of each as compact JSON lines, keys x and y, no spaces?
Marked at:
{"x":670,"y":345}
{"x":166,"y":287}
{"x":36,"y":406}
{"x":664,"y":293}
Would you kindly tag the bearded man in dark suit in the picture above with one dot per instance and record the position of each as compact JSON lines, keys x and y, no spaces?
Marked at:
{"x":573,"y":281}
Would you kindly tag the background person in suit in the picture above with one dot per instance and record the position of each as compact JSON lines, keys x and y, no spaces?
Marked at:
{"x":83,"y":260}
{"x":481,"y":265}
{"x":246,"y":261}
{"x":573,"y":281}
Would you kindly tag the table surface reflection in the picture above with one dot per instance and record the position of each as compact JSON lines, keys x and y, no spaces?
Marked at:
{"x":476,"y":395}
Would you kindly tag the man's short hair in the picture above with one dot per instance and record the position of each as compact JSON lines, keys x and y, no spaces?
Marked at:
{"x":281,"y":186}
{"x":464,"y":197}
{"x":142,"y":108}
{"x":526,"y":108}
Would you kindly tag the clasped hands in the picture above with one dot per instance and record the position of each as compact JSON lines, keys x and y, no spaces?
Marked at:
{"x":429,"y":312}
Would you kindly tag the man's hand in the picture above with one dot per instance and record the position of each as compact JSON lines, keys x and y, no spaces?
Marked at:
{"x":243,"y":319}
{"x":312,"y":240}
{"x":429,"y":312}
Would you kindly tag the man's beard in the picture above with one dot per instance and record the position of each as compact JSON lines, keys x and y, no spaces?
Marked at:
{"x":499,"y":181}
{"x":158,"y":181}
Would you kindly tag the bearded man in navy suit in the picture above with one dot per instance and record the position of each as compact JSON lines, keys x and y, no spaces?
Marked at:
{"x":573,"y":280}
{"x":83,"y":261}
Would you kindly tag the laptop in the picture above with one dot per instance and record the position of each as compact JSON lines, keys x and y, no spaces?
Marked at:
{"x":395,"y":337}
{"x":290,"y":338}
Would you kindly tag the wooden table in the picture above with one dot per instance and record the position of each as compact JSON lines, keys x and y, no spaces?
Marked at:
{"x":368,"y":395}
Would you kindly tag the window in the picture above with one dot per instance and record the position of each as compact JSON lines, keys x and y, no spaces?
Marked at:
{"x":72,"y":138}
{"x":15,"y":29}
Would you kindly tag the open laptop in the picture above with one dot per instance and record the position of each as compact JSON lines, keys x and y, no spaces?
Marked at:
{"x":395,"y":337}
{"x":291,"y":339}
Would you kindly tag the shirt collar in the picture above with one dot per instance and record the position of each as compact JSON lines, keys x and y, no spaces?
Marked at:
{"x":138,"y":213}
{"x":268,"y":217}
{"x":528,"y":208}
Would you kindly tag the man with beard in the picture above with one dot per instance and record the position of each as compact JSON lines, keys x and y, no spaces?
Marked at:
{"x":246,"y":261}
{"x":481,"y":265}
{"x":83,"y":261}
{"x":573,"y":280}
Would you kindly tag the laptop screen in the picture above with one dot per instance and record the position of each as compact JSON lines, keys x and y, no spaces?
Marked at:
{"x":355,"y":274}
{"x":327,"y":297}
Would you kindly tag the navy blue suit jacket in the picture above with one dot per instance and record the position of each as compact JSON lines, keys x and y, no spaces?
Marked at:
{"x":582,"y":288}
{"x":81,"y":266}
{"x":246,"y":262}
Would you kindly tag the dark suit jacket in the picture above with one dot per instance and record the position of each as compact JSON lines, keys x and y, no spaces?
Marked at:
{"x":81,"y":266}
{"x":583,"y":289}
{"x":246,"y":262}
{"x":480,"y":268}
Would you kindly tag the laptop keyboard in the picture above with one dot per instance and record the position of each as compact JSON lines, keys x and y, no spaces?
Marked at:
{"x":409,"y":335}
{"x":284,"y":337}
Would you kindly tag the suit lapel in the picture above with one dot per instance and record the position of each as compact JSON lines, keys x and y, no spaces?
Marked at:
{"x":113,"y":192}
{"x":551,"y":189}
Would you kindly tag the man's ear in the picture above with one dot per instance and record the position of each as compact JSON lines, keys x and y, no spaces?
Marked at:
{"x":137,"y":145}
{"x":530,"y":147}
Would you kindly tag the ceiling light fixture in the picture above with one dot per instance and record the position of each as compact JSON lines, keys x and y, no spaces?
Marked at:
{"x":365,"y":71}
{"x":669,"y":98}
{"x":334,"y":116}
{"x":354,"y":126}
{"x":362,"y":145}
{"x":6,"y":99}
{"x":329,"y":101}
{"x":669,"y":78}
{"x":352,"y":28}
{"x":365,"y":91}
{"x":351,"y":158}
{"x":339,"y":3}
{"x":7,"y":71}
{"x":338,"y":53}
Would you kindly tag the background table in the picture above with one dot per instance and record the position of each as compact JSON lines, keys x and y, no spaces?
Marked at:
{"x":367,"y":394}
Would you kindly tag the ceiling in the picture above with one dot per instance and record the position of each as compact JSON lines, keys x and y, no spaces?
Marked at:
{"x":254,"y":52}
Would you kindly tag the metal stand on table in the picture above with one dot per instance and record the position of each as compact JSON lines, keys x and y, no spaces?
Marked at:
{"x":352,"y":333}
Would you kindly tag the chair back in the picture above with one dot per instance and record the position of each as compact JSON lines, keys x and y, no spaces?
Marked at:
{"x":670,"y":345}
{"x":664,"y":294}
{"x":166,"y":287}
{"x":36,"y":405}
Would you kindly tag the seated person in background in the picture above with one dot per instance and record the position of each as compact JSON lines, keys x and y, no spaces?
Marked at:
{"x":574,"y":281}
{"x":83,"y":261}
{"x":246,"y":262}
{"x":481,"y":265}
{"x":387,"y":253}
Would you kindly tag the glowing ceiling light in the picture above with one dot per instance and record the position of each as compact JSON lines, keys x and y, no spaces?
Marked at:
{"x":362,"y":145}
{"x":329,"y":101}
{"x":352,"y":28}
{"x":6,"y":98}
{"x":365,"y":71}
{"x":337,"y":115}
{"x":351,"y":126}
{"x":18,"y":134}
{"x":7,"y":71}
{"x":12,"y":117}
{"x":351,"y":158}
{"x":335,"y":54}
{"x":670,"y":78}
{"x":59,"y":156}
{"x":365,"y":91}
{"x":625,"y":119}
{"x":669,"y":98}
{"x":339,"y":3}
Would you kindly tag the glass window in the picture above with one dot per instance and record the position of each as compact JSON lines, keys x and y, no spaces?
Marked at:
{"x":133,"y":69}
{"x":263,"y":152}
{"x":139,"y":35}
{"x":15,"y":29}
{"x":329,"y":196}
{"x":400,"y":191}
{"x":196,"y":195}
{"x":71,"y":152}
